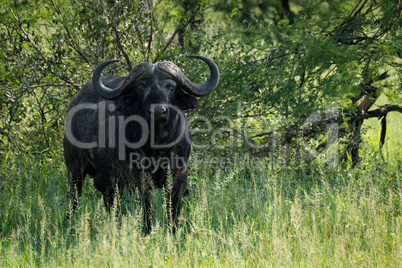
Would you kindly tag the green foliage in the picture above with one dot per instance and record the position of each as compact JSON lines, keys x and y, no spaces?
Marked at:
{"x":276,"y":69}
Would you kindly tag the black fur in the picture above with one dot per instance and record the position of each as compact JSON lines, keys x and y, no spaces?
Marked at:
{"x":105,"y":163}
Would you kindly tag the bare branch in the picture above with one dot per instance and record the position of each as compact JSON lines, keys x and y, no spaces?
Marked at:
{"x":152,"y":28}
{"x":71,"y":39}
{"x":382,"y":111}
{"x":120,"y":46}
{"x":26,"y":37}
{"x":53,"y":85}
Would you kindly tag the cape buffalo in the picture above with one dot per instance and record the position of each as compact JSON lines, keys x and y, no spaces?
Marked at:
{"x":119,"y":128}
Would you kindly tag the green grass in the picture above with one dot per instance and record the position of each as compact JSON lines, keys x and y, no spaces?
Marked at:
{"x":315,"y":217}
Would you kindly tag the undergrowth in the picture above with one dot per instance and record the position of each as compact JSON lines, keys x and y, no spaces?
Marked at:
{"x":320,"y":216}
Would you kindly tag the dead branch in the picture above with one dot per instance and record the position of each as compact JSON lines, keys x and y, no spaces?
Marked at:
{"x":382,"y":111}
{"x":120,"y":46}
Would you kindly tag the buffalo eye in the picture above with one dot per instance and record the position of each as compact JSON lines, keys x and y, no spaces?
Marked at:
{"x":141,"y":87}
{"x":170,"y":86}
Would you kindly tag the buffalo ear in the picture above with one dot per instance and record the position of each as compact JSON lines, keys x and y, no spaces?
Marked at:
{"x":185,"y":101}
{"x":124,"y":102}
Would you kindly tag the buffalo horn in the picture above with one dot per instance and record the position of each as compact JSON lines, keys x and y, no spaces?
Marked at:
{"x":182,"y":80}
{"x":104,"y":91}
{"x":113,"y":93}
{"x":203,"y":89}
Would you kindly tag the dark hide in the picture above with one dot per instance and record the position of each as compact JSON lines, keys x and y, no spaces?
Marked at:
{"x":110,"y":161}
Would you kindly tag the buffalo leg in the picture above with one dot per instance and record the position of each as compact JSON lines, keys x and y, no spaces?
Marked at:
{"x":148,"y":212}
{"x":112,"y":202}
{"x":173,"y":199}
{"x":76,"y":175}
{"x":111,"y":198}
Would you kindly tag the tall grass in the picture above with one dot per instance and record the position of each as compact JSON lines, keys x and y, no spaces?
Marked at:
{"x":245,"y":217}
{"x":235,"y":216}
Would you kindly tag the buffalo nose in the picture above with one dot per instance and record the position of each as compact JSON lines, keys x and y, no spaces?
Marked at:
{"x":159,"y":111}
